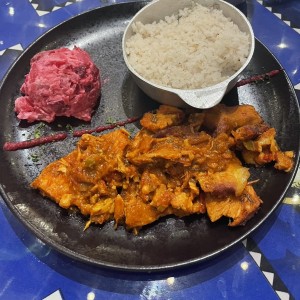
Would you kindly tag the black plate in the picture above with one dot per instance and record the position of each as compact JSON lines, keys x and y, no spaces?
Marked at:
{"x":170,"y":242}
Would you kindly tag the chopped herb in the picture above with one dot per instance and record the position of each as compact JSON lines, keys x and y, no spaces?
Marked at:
{"x":70,"y":128}
{"x":110,"y":120}
{"x":131,"y":131}
{"x":37,"y":132}
{"x":34,"y":157}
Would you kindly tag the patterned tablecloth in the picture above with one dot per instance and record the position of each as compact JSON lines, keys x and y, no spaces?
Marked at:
{"x":264,"y":266}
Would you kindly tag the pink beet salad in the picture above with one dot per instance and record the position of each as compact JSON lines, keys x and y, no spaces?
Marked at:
{"x":61,"y":82}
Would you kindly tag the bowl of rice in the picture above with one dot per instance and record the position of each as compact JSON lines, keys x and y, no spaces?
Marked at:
{"x":187,"y":52}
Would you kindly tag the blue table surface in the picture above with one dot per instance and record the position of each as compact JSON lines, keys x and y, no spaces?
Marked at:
{"x":264,"y":266}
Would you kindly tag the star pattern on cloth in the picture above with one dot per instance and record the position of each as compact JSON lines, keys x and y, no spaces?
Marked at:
{"x":43,"y":7}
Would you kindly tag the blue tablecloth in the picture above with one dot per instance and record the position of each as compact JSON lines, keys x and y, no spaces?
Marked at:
{"x":265,"y":266}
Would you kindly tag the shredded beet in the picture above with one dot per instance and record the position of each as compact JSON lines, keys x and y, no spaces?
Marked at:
{"x":78,"y":133}
{"x":61,"y":82}
{"x":13,"y":146}
{"x":257,"y":78}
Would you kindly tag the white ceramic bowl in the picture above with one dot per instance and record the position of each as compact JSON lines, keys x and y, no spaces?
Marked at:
{"x":199,"y":98}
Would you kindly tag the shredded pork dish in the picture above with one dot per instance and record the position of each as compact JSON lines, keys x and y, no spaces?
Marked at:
{"x":180,"y":163}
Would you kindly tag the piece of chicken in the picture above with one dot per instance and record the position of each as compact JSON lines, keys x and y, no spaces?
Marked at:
{"x":171,"y":166}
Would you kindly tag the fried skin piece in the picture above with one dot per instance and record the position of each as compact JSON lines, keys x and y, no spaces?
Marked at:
{"x":54,"y":182}
{"x":240,"y":209}
{"x":225,"y":119}
{"x":137,"y":212}
{"x":264,"y":149}
{"x":249,"y":132}
{"x":163,"y":117}
{"x":231,"y":181}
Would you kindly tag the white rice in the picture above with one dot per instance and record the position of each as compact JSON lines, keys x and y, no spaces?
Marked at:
{"x":196,"y":48}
